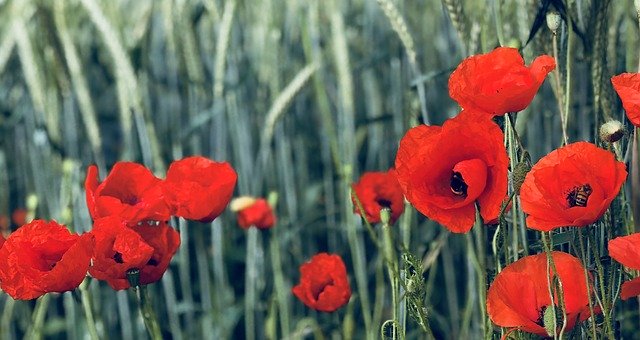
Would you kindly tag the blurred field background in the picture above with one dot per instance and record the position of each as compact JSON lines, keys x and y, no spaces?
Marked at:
{"x":301,"y":97}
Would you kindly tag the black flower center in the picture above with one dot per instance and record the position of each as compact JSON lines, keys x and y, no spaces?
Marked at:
{"x":383,"y":203}
{"x":118,"y":257}
{"x":458,"y":186}
{"x":579,"y":196}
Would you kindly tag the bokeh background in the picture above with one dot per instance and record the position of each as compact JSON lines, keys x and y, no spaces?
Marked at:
{"x":301,"y":97}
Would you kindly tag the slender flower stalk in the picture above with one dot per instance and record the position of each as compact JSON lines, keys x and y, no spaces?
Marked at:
{"x":37,"y":318}
{"x":145,"y":304}
{"x":392,"y":269}
{"x":85,"y":296}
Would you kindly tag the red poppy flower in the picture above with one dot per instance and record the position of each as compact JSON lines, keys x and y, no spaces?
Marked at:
{"x":198,"y":188}
{"x":498,"y":82}
{"x":444,"y":171}
{"x":117,"y":250}
{"x":519,"y":294}
{"x":626,"y":250}
{"x":571,"y":186}
{"x":628,"y":87}
{"x":377,"y":190}
{"x":130,"y":191}
{"x":42,"y":257}
{"x":253,"y":212}
{"x":19,"y":217}
{"x":324,"y":285}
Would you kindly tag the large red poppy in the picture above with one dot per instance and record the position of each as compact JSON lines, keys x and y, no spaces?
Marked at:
{"x":628,"y":87}
{"x":519,"y":294}
{"x":498,"y":82}
{"x":253,"y":212}
{"x":324,"y":284}
{"x":42,"y":257}
{"x":118,"y":249}
{"x":626,"y":250}
{"x":198,"y":188}
{"x":571,"y":186}
{"x":377,"y":190}
{"x":130,"y":191}
{"x":444,"y":171}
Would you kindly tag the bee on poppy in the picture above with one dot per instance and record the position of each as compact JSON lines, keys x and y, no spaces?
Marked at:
{"x":579,"y":195}
{"x":458,"y":186}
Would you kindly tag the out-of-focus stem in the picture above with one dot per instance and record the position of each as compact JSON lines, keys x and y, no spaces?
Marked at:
{"x":251,"y":274}
{"x":85,"y":296}
{"x":583,"y":255}
{"x":39,"y":312}
{"x":392,"y":268}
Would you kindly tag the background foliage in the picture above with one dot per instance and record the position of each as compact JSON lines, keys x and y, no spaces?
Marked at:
{"x":300,"y":97}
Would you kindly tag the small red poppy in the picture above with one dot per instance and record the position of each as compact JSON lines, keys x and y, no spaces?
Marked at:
{"x":130,"y":191}
{"x":19,"y":217}
{"x":444,"y":171}
{"x":42,"y":257}
{"x":117,"y":250}
{"x":626,"y":250}
{"x":519,"y":294}
{"x":377,"y":190}
{"x":627,"y":85}
{"x":253,"y":212}
{"x":571,"y":186}
{"x":198,"y":188}
{"x":324,"y":284}
{"x":498,"y":82}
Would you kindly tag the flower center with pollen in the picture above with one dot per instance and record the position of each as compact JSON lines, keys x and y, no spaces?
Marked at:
{"x":458,"y":186}
{"x":579,"y":196}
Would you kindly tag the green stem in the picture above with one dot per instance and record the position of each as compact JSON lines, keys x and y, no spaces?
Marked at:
{"x":278,"y":281}
{"x":559,"y":91}
{"x":553,"y":280}
{"x":478,"y":229}
{"x":606,"y":312}
{"x":85,"y":296}
{"x":392,"y":269}
{"x":148,"y":313}
{"x":251,"y":275}
{"x":586,"y":278}
{"x":40,"y":311}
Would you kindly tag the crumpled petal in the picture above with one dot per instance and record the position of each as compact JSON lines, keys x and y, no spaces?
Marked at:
{"x":259,"y":215}
{"x":498,"y":82}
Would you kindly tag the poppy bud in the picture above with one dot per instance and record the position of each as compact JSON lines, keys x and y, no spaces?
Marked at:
{"x":549,"y":318}
{"x":519,"y":173}
{"x":385,"y":216}
{"x":553,"y":21}
{"x":611,"y":131}
{"x":636,"y":3}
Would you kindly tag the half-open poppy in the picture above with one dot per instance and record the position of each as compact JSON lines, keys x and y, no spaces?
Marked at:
{"x":571,"y":186}
{"x":377,"y":190}
{"x":324,"y":284}
{"x":42,"y":257}
{"x":519,"y":295}
{"x":198,"y":188}
{"x":498,"y":82}
{"x":627,"y":85}
{"x":626,"y":250}
{"x":118,"y":249}
{"x":253,"y":212}
{"x":130,"y":191}
{"x":444,"y":171}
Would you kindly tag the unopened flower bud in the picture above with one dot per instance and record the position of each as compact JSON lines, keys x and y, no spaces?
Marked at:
{"x":553,"y":21}
{"x":520,"y":171}
{"x":611,"y":131}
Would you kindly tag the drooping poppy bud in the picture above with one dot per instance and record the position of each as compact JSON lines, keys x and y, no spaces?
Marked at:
{"x":324,"y":285}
